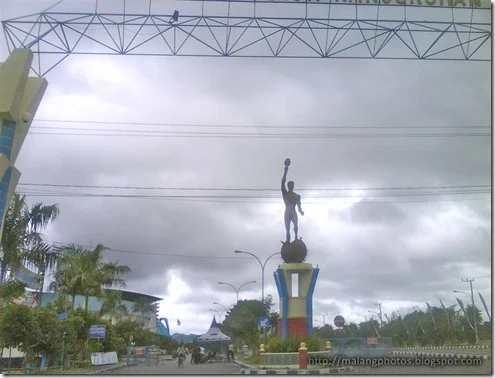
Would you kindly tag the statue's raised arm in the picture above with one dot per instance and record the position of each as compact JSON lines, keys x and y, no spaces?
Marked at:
{"x":284,"y":177}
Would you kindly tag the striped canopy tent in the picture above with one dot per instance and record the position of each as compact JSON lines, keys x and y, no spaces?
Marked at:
{"x":213,"y":335}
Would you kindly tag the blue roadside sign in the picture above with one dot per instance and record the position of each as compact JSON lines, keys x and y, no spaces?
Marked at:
{"x":263,"y":322}
{"x":97,"y":332}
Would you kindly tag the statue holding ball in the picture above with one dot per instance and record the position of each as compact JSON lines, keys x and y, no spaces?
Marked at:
{"x":291,"y":200}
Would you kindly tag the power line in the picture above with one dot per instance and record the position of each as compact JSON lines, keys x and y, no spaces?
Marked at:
{"x":272,"y":136}
{"x":248,"y":189}
{"x":165,"y":133}
{"x":214,"y":125}
{"x":155,"y":253}
{"x":229,"y":199}
{"x":212,"y":196}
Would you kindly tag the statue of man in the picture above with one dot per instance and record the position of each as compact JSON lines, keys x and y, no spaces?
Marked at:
{"x":291,"y":199}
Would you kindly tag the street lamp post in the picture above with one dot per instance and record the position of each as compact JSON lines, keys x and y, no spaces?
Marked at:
{"x":219,"y":316}
{"x":63,"y":347}
{"x":236,"y":289}
{"x":262,"y":270}
{"x":224,"y":308}
{"x":470,"y":280}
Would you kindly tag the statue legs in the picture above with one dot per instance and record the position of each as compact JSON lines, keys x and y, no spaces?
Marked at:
{"x":287,"y":228}
{"x":290,"y":217}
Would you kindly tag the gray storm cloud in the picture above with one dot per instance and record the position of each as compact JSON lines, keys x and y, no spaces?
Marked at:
{"x":380,"y":251}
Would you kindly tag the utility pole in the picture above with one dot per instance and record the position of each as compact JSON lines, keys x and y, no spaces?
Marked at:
{"x":380,"y":312}
{"x":470,"y":280}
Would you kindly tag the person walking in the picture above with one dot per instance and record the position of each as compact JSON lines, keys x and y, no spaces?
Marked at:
{"x":130,"y":350}
{"x":193,"y":352}
{"x":231,"y":353}
{"x":181,"y":355}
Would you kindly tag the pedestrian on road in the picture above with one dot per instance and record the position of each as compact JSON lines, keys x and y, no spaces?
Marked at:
{"x":193,"y":352}
{"x":231,"y":352}
{"x":130,"y":350}
{"x":181,"y":355}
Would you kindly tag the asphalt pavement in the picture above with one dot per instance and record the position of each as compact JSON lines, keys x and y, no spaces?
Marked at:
{"x":484,"y":369}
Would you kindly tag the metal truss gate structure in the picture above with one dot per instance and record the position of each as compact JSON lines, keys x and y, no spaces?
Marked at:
{"x":355,"y":29}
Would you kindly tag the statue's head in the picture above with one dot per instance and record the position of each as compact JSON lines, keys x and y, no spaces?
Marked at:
{"x":290,"y":185}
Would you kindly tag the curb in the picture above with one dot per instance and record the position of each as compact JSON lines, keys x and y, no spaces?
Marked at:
{"x":106,"y":370}
{"x":449,"y":347}
{"x":446,"y":355}
{"x":244,"y":365}
{"x":340,"y":370}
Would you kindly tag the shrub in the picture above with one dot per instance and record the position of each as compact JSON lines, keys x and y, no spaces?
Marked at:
{"x":291,"y":345}
{"x":81,"y":364}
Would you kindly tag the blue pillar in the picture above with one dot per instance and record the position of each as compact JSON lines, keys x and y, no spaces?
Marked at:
{"x":6,"y":141}
{"x":284,"y":296}
{"x":309,"y":300}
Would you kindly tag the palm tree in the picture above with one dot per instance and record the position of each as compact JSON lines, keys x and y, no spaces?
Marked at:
{"x":22,"y":240}
{"x":83,"y":272}
{"x":69,"y":273}
{"x":112,"y":305}
{"x":142,"y":305}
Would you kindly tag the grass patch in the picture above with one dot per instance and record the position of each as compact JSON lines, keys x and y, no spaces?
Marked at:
{"x":252,"y":359}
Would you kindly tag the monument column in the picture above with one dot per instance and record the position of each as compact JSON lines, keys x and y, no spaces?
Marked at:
{"x":20,"y":97}
{"x":295,"y":279}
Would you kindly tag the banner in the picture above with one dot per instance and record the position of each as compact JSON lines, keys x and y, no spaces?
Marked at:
{"x":29,"y":299}
{"x":31,"y":279}
{"x":104,"y":358}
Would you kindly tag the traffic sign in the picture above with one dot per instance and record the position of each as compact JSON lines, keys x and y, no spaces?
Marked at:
{"x":97,"y":332}
{"x":263,"y":322}
{"x":339,"y":321}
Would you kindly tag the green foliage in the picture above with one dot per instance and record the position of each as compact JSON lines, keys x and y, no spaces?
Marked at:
{"x":22,"y":238}
{"x":128,"y":327}
{"x":142,"y":305}
{"x":16,"y":324}
{"x":241,"y":322}
{"x":84,"y":272}
{"x":48,"y":330}
{"x":167,"y":343}
{"x":112,"y":305}
{"x":81,"y":364}
{"x":60,"y":305}
{"x":291,"y":345}
{"x":436,"y":327}
{"x":32,"y":331}
{"x":11,"y":289}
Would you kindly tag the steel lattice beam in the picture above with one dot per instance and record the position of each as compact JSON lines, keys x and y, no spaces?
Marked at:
{"x":331,"y":30}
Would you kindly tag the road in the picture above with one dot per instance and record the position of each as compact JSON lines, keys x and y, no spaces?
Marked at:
{"x":452,"y":350}
{"x":484,"y":369}
{"x":170,"y":367}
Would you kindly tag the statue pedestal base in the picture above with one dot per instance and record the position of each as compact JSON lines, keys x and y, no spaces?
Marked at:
{"x":297,"y":327}
{"x":296,"y":308}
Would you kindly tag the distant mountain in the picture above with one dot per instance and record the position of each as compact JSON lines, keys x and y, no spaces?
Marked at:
{"x":184,"y":338}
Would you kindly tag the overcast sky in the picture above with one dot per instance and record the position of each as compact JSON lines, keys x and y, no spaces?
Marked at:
{"x":400,"y":247}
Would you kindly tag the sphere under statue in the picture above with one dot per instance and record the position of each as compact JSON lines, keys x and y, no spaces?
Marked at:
{"x":294,"y":252}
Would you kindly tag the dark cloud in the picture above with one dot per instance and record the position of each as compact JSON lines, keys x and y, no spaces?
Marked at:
{"x":376,"y":215}
{"x":399,"y":250}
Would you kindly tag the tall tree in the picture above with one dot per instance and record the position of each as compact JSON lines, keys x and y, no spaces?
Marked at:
{"x":142,"y":306}
{"x":112,"y":305}
{"x":84,"y":272}
{"x":70,"y":274}
{"x":22,"y":240}
{"x":241,"y":322}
